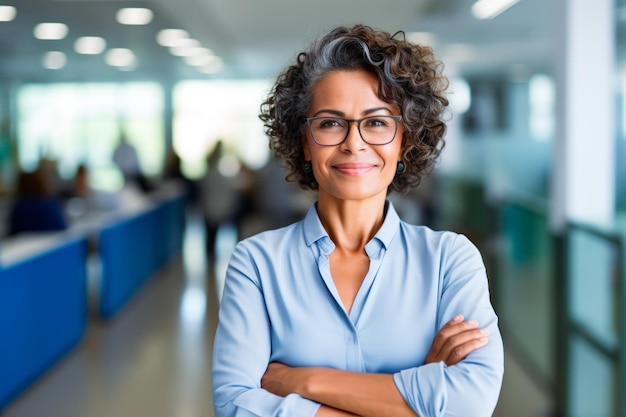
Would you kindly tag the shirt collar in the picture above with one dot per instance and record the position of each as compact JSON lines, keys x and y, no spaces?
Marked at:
{"x":314,"y":231}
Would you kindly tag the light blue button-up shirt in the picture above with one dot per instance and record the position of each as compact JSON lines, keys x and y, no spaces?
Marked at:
{"x":280,"y":304}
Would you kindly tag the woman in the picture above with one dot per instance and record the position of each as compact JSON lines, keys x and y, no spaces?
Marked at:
{"x":36,"y":207}
{"x":352,"y":311}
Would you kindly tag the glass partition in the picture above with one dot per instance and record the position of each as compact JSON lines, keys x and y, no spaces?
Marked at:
{"x":593,"y":285}
{"x":591,"y":382}
{"x":526,"y":286}
{"x":594,"y":342}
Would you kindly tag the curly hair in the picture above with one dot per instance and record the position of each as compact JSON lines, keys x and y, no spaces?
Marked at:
{"x":409,"y":75}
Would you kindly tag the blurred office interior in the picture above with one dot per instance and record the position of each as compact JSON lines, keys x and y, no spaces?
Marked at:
{"x":114,"y":313}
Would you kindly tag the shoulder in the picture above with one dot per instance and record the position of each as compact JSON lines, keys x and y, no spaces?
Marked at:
{"x":441,"y":243}
{"x":272,"y":241}
{"x":260,"y":257}
{"x":427,"y":235}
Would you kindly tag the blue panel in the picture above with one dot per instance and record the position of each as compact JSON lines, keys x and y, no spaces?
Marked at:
{"x":133,"y":250}
{"x":43,"y":312}
{"x":127,"y":250}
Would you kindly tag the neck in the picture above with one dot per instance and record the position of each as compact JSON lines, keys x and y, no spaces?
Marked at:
{"x":351,"y":224}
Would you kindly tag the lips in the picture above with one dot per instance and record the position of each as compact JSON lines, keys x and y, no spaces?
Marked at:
{"x":354,"y":168}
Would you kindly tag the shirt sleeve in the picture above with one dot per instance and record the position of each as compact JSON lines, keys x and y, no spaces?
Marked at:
{"x":242,"y":349}
{"x":471,"y":387}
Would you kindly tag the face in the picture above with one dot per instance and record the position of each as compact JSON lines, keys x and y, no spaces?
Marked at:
{"x":352,"y":170}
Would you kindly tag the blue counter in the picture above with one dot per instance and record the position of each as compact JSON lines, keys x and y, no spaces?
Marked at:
{"x":43,"y":312}
{"x":43,"y":282}
{"x":133,"y":249}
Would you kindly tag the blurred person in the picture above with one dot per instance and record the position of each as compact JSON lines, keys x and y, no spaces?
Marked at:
{"x":48,"y":168}
{"x":353,"y":311}
{"x":219,"y":197}
{"x":126,"y":159}
{"x":81,"y":199}
{"x":80,"y":186}
{"x":77,"y":192}
{"x":247,"y":219}
{"x":278,"y":200}
{"x":36,"y":208}
{"x":173,"y":171}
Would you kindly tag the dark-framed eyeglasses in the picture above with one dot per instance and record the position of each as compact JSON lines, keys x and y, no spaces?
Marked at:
{"x":374,"y":130}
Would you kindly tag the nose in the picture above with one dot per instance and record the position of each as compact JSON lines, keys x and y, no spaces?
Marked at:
{"x":354,"y":142}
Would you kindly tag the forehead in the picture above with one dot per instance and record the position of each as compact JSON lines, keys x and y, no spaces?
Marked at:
{"x":346,"y":88}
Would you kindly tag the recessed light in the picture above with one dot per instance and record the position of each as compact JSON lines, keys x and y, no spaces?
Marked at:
{"x":90,"y":45}
{"x":170,"y":37}
{"x":53,"y":60}
{"x":185,"y":47}
{"x":50,"y":31}
{"x":202,"y":60}
{"x":488,"y":9}
{"x":134,"y":16}
{"x":120,"y":57}
{"x":7,"y":13}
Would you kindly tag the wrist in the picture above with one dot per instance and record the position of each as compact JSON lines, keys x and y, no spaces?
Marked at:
{"x":310,"y":382}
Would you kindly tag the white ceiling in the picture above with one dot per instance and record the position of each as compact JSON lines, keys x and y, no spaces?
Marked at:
{"x":257,"y":38}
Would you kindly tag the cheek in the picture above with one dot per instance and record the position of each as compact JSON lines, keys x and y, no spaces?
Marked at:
{"x":395,"y":154}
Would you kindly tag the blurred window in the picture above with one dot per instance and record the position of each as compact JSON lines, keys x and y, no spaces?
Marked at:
{"x":82,"y":123}
{"x":208,"y":111}
{"x":542,"y":111}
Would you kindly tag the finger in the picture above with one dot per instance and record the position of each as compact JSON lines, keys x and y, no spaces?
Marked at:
{"x":461,"y":351}
{"x":454,"y":327}
{"x":450,"y":330}
{"x":459,"y":339}
{"x":443,"y":351}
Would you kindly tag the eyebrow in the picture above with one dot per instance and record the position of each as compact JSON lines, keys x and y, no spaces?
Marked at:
{"x":342,"y":114}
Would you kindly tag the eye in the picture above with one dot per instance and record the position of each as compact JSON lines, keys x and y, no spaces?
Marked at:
{"x":379,"y":121}
{"x":329,"y":123}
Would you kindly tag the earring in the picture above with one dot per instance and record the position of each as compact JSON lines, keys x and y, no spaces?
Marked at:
{"x":401,"y":167}
{"x":306,"y":166}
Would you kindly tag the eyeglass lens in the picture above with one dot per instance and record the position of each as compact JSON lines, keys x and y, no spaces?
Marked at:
{"x":375,"y":130}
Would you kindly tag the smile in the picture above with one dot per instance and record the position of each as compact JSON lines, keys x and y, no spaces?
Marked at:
{"x":355,"y":169}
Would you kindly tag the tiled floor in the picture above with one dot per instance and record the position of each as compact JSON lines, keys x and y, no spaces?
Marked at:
{"x":153,"y":359}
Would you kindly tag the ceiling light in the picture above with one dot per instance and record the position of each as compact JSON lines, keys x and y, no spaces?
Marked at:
{"x":53,"y":60}
{"x":488,"y":9}
{"x":134,"y":16}
{"x":90,"y":45}
{"x":170,"y":37}
{"x":202,"y":60}
{"x":120,"y":57}
{"x":200,"y":51}
{"x":185,"y":47}
{"x":7,"y":13}
{"x":50,"y":31}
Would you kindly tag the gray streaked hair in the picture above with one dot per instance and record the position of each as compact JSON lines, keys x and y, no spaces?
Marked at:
{"x":409,"y":75}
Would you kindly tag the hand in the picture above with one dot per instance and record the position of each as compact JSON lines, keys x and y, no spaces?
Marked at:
{"x":456,"y":340}
{"x":281,"y":379}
